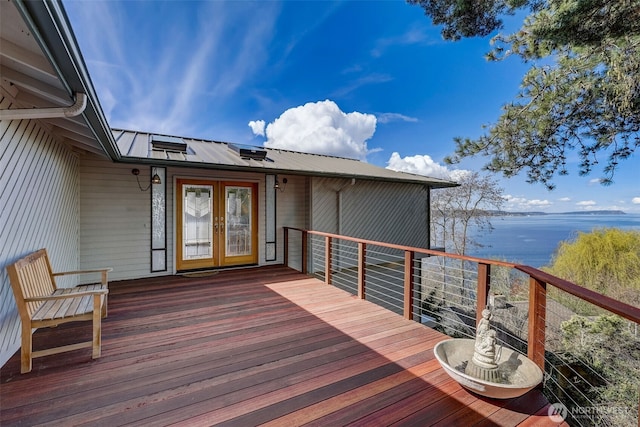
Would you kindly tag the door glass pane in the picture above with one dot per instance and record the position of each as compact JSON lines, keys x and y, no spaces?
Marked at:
{"x":197,"y":232}
{"x":238,"y":225}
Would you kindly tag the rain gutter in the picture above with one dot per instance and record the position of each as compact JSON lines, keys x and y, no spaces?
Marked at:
{"x":50,"y":27}
{"x":47,"y":113}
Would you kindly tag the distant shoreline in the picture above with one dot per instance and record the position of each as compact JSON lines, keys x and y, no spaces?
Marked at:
{"x":599,"y":212}
{"x":533,"y":239}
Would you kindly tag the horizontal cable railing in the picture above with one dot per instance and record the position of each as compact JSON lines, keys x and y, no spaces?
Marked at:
{"x":573,"y":334}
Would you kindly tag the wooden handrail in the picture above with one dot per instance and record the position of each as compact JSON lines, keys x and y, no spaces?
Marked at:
{"x":538,"y":282}
{"x":407,"y":248}
{"x":618,"y":307}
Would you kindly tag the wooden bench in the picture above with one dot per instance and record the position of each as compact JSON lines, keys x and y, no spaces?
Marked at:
{"x":42,"y":304}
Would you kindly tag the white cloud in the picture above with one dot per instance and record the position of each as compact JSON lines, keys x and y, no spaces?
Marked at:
{"x":257,"y":126}
{"x":564,"y":199}
{"x":522,"y":203}
{"x":595,"y":181}
{"x":586,"y":203}
{"x":538,"y":203}
{"x":394,"y":117}
{"x":322,"y":128}
{"x":636,"y":200}
{"x":422,"y":165}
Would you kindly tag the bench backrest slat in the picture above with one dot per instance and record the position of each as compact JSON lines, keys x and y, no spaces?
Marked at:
{"x":31,"y":276}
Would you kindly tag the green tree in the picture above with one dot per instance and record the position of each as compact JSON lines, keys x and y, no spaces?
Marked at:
{"x":608,"y":353}
{"x":605,"y":260}
{"x":582,"y":93}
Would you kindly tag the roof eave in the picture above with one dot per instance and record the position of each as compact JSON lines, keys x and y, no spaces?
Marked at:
{"x":432,"y":183}
{"x":51,"y":29}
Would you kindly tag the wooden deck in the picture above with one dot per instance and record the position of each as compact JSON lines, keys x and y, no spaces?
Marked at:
{"x":247,"y":347}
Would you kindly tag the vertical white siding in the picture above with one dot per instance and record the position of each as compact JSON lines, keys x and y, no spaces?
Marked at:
{"x":38,"y":209}
{"x":115,"y":218}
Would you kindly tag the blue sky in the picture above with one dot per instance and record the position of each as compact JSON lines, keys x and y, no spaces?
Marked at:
{"x":365,"y":79}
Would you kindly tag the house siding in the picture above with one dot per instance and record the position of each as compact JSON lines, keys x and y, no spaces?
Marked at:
{"x":292,"y":210}
{"x":115,"y":219}
{"x":40,"y":209}
{"x":116,"y":216}
{"x":375,"y":210}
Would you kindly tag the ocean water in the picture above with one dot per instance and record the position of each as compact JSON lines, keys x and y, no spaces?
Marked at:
{"x":532,"y":240}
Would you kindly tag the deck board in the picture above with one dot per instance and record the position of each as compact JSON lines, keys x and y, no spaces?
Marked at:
{"x":248,"y":347}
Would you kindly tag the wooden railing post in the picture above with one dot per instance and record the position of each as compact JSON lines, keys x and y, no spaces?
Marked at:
{"x":305,"y":261}
{"x":537,"y":320}
{"x":327,"y":260}
{"x":484,"y":285}
{"x":286,"y":247}
{"x":362,"y":256}
{"x":408,"y":284}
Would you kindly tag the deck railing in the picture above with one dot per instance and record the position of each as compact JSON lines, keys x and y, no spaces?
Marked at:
{"x":449,"y":291}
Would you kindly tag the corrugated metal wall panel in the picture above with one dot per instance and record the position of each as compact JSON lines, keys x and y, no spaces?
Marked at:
{"x":374,"y":210}
{"x":324,"y":204}
{"x":40,"y":208}
{"x":292,"y":210}
{"x":395,"y":213}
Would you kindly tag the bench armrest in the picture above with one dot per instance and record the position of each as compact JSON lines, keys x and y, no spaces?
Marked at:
{"x":69,"y":295}
{"x":104,"y":272}
{"x":99,"y":270}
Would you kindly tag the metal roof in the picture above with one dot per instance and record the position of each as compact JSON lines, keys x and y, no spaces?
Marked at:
{"x":139,"y":147}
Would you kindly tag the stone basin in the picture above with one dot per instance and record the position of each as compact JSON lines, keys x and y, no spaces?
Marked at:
{"x":519,"y":372}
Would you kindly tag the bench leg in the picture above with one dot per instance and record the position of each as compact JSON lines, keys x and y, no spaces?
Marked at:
{"x":104,"y":307}
{"x":97,"y":325}
{"x":26,"y":348}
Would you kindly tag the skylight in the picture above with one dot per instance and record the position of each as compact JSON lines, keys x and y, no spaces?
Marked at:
{"x":168,"y":143}
{"x":248,"y":152}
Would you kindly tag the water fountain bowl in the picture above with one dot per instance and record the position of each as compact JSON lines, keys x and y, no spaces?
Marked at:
{"x":454,"y":355}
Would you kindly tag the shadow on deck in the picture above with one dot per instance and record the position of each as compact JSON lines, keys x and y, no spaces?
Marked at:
{"x":264,"y":345}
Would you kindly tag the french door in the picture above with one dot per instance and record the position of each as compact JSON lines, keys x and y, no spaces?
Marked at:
{"x":216,"y":224}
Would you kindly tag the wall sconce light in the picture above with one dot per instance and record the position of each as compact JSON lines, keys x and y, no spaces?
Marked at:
{"x":154,"y":180}
{"x":277,"y":185}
